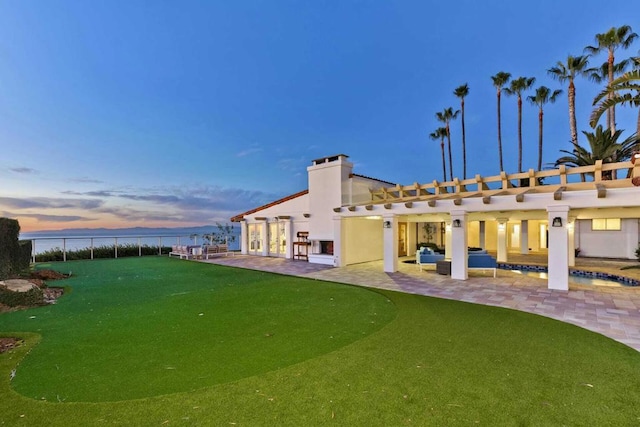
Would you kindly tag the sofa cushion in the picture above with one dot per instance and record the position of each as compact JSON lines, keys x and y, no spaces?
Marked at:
{"x":481,"y":261}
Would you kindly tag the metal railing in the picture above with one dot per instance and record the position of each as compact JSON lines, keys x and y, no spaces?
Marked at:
{"x":67,"y":241}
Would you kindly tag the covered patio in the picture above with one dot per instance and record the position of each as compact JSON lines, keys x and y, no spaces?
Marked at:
{"x":501,"y":199}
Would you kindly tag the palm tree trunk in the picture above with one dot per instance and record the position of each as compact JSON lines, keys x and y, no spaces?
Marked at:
{"x":499,"y":134}
{"x":572,"y":113}
{"x":540,"y":118}
{"x":444,"y":163}
{"x":519,"y":134}
{"x":611,"y":112}
{"x":450,"y":157}
{"x":464,"y":144}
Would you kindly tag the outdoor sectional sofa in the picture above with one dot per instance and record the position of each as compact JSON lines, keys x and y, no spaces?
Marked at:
{"x":481,"y":260}
{"x":476,"y":260}
{"x":427,"y":256}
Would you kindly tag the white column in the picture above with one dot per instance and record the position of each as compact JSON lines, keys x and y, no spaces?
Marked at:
{"x":447,"y":240}
{"x":244,"y":238}
{"x":558,"y":247}
{"x":524,"y":237}
{"x":502,"y":240}
{"x":264,"y":236}
{"x":459,"y":245}
{"x":338,"y":242}
{"x":571,"y":240}
{"x":390,"y":243}
{"x":482,"y":234}
{"x":630,"y":230}
{"x":288,"y":237}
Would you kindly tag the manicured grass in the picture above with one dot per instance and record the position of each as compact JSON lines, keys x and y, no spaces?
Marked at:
{"x":149,"y":326}
{"x":285,"y":353}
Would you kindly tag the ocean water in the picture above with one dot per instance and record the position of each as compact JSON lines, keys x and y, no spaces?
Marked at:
{"x":74,"y":239}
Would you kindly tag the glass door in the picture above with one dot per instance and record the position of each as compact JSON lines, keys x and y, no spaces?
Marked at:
{"x":277,"y":240}
{"x":273,"y":239}
{"x":255,"y":239}
{"x":283,"y":241}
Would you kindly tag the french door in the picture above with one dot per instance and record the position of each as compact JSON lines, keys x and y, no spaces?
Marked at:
{"x":255,"y":239}
{"x":277,"y":240}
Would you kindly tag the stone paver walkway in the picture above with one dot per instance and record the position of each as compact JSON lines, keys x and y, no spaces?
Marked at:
{"x":610,"y":311}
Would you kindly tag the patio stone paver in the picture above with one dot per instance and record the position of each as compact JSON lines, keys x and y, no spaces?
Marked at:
{"x":610,"y":311}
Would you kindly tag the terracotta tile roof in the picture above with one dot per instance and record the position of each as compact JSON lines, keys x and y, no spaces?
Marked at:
{"x":240,"y":217}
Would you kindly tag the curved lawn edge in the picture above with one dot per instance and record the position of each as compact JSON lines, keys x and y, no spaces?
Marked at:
{"x":399,"y":373}
{"x":11,"y":359}
{"x":302,"y":325}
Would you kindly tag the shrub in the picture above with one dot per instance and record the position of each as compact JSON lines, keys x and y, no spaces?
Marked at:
{"x":638,"y":253}
{"x":24,"y":258}
{"x":12,"y":256}
{"x":32,"y":297}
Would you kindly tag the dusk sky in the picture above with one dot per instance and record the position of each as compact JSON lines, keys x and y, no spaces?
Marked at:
{"x":185,"y":113}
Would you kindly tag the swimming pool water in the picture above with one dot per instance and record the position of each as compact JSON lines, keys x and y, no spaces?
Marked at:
{"x":578,"y":280}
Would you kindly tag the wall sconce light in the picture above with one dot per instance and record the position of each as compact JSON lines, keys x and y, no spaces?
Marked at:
{"x":635,"y":156}
{"x":386,"y":224}
{"x":557,"y":222}
{"x":502,"y":226}
{"x":457,"y":223}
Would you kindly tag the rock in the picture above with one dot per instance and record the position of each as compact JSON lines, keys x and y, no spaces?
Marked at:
{"x":18,"y":285}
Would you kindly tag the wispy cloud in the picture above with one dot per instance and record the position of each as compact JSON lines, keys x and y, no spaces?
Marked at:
{"x":248,"y":151}
{"x":137,"y":215}
{"x":49,"y":203}
{"x":24,"y":170}
{"x":164,"y":204}
{"x":85,"y":180}
{"x":200,"y":198}
{"x":292,"y":164}
{"x":48,"y":218}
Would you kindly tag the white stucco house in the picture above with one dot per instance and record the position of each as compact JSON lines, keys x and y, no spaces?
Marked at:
{"x":344,"y":218}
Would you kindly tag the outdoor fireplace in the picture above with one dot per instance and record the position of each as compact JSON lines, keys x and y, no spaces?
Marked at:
{"x":324,"y":247}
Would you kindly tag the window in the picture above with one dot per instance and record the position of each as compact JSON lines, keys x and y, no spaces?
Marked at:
{"x":605,"y":224}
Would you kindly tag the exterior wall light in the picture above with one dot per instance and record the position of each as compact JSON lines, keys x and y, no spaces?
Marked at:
{"x":386,"y":224}
{"x":635,"y":156}
{"x":557,"y":222}
{"x":457,"y":223}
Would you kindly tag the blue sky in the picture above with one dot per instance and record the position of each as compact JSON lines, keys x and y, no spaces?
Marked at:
{"x":135,"y":113}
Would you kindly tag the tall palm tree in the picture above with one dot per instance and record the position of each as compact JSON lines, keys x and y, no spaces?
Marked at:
{"x":601,"y":74}
{"x":461,"y":92}
{"x":613,"y":39}
{"x":445,"y":117}
{"x":543,"y":96}
{"x":518,"y":86}
{"x":626,"y":90}
{"x":574,"y":67}
{"x":499,"y":80}
{"x":603,"y":145}
{"x":440,"y":134}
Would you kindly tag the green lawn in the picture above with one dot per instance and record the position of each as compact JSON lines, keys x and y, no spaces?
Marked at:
{"x":158,"y":341}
